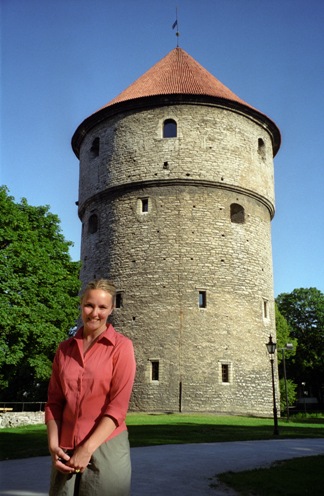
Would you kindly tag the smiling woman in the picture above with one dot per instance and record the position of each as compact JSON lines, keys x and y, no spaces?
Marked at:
{"x":88,"y":397}
{"x":96,"y":304}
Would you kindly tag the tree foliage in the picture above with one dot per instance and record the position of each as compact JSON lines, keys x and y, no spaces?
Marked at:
{"x":304,"y":312}
{"x":291,"y":393}
{"x":39,"y":287}
{"x":283,"y":331}
{"x":284,"y":336}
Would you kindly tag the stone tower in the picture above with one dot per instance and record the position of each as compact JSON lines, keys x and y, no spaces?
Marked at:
{"x":176,"y":198}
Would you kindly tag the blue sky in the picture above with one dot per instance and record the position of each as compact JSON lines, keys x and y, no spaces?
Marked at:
{"x":64,"y":59}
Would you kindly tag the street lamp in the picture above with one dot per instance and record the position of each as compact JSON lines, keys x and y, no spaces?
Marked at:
{"x":271,"y":347}
{"x":289,"y":346}
{"x":304,"y":396}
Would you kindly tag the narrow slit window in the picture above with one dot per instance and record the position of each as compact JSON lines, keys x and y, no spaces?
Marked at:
{"x":95,"y":148}
{"x":155,"y":370}
{"x":93,"y":224}
{"x":202,"y":299}
{"x":265,"y":309}
{"x":237,"y":213}
{"x":169,"y":128}
{"x":119,"y":299}
{"x":225,"y":372}
{"x":261,"y":147}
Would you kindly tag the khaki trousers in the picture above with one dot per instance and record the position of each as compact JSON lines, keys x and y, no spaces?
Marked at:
{"x":108,"y":475}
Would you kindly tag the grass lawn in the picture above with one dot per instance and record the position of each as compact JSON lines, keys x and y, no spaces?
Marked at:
{"x":155,"y":429}
{"x":284,"y":478}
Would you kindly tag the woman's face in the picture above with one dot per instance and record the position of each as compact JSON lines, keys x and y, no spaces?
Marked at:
{"x":96,"y":307}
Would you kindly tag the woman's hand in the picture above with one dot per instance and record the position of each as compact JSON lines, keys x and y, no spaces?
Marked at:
{"x":80,"y":459}
{"x":61,"y":460}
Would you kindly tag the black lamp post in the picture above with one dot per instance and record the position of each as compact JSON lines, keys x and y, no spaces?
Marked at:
{"x":271,"y":347}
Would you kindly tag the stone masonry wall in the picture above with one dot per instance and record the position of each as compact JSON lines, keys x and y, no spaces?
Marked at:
{"x":16,"y":419}
{"x":213,"y":144}
{"x":186,"y":243}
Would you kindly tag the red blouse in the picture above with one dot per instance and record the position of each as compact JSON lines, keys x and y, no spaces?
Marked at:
{"x":84,"y":388}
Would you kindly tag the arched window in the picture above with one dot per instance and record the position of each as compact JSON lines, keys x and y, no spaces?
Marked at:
{"x":237,"y":213}
{"x":93,"y":224}
{"x":169,"y":128}
{"x":261,"y":148}
{"x":95,"y":148}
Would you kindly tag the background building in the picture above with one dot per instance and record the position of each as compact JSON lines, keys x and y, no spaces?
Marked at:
{"x":176,"y":197}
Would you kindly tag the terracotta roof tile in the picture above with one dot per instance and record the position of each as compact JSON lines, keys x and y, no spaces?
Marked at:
{"x":176,"y":73}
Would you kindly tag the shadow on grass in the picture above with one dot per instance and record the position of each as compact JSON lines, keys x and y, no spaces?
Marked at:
{"x":24,"y":443}
{"x":32,"y":440}
{"x":149,"y":435}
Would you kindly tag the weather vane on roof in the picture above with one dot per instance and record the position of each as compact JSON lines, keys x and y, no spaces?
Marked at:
{"x":176,"y":25}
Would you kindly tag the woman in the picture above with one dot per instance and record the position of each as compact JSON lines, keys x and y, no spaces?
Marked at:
{"x":88,"y":397}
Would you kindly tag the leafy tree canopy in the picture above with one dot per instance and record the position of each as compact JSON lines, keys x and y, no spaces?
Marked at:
{"x":304,"y":312}
{"x":39,"y":287}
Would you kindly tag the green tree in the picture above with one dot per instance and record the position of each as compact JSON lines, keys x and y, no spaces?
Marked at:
{"x":284,"y":336}
{"x":304,"y":312}
{"x":291,"y":393}
{"x":39,"y":285}
{"x":284,"y":356}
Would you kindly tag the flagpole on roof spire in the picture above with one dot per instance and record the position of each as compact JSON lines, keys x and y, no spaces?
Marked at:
{"x":176,"y":25}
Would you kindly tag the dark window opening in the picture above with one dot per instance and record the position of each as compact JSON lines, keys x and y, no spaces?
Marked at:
{"x":225,"y":372}
{"x":237,"y":213}
{"x":119,"y":300}
{"x":93,"y":224}
{"x":95,"y":147}
{"x":145,"y":205}
{"x":202,"y":299}
{"x":155,"y":369}
{"x":261,"y":147}
{"x":169,"y":128}
{"x":265,"y":309}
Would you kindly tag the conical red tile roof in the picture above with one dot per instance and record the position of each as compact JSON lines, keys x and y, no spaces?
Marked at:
{"x":176,"y":78}
{"x":176,"y":73}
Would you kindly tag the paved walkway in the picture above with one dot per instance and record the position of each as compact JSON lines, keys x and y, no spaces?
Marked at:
{"x":172,"y":470}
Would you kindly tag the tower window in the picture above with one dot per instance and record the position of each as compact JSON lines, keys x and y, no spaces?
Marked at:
{"x":93,"y":224}
{"x":265,"y":309}
{"x":225,"y":372}
{"x":119,"y":299}
{"x":261,"y":147}
{"x":145,"y":205}
{"x":95,"y":148}
{"x":237,"y":213}
{"x":155,"y":370}
{"x":169,"y":128}
{"x":202,"y":299}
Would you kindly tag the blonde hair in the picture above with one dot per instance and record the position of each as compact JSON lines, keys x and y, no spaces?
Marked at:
{"x":103,"y":284}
